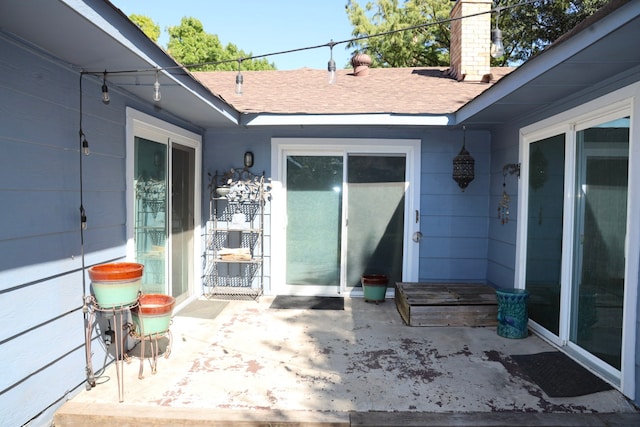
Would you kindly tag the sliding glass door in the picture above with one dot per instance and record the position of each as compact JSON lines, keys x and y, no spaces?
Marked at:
{"x":344,"y":214}
{"x":576,"y":234}
{"x":597,"y":291}
{"x":163,"y":206}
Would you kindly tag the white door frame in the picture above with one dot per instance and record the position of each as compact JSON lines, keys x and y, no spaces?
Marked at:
{"x":280,"y":147}
{"x":143,"y":125}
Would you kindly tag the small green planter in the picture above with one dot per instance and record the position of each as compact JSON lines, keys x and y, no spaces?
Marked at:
{"x":374,"y":287}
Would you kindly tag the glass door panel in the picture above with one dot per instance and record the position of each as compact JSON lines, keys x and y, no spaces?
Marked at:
{"x":599,"y":242}
{"x":182,"y":219}
{"x":375,"y":227}
{"x":314,"y":220}
{"x":544,"y":231}
{"x":150,"y":213}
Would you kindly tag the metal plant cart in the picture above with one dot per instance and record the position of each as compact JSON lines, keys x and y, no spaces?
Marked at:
{"x":234,"y":235}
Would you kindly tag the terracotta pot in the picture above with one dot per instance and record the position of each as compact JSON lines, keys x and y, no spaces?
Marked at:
{"x":116,"y":271}
{"x":375,"y":280}
{"x":155,"y":304}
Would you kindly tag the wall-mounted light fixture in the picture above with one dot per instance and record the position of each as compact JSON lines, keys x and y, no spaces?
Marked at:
{"x":463,"y":165}
{"x":248,"y":159}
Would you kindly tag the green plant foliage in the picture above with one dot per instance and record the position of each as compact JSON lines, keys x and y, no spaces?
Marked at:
{"x":189,"y":44}
{"x":425,"y":46}
{"x":528,"y":29}
{"x":146,"y":24}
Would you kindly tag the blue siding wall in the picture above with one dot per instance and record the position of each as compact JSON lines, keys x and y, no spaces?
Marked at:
{"x":454,"y":223}
{"x":41,"y":278}
{"x":41,"y":286}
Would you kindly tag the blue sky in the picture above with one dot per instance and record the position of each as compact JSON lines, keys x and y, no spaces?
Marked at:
{"x":260,"y":26}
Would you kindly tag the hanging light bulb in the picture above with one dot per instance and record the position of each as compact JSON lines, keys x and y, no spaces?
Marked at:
{"x":331,"y":66}
{"x":239,"y":79}
{"x":156,"y":89}
{"x":85,"y":146}
{"x":83,"y":218}
{"x":105,"y":90}
{"x":497,"y":47}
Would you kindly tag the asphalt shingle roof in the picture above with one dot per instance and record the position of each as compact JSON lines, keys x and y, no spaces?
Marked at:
{"x":384,"y":90}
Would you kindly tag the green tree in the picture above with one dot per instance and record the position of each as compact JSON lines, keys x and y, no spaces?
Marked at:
{"x":526,"y":29}
{"x":146,"y":24}
{"x":424,"y":46}
{"x":190,"y":44}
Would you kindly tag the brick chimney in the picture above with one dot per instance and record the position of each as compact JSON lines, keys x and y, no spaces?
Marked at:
{"x":470,"y":41}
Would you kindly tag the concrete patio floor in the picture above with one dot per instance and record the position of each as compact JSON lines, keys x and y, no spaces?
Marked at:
{"x":315,"y":367}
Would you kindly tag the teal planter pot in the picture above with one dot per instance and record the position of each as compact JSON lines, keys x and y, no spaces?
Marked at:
{"x":116,"y":285}
{"x":513,"y":314}
{"x":152,"y":315}
{"x":374,"y":287}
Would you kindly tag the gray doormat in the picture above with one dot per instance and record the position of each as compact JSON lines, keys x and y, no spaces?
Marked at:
{"x":202,"y":309}
{"x":558,"y":375}
{"x":311,"y":303}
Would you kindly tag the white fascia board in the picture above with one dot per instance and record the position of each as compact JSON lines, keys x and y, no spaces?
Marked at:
{"x":346,"y":120}
{"x":542,"y":63}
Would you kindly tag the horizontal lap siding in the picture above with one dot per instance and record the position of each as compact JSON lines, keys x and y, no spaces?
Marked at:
{"x":454,"y":223}
{"x":41,"y":277}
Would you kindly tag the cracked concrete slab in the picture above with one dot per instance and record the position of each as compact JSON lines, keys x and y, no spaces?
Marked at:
{"x":359,"y":359}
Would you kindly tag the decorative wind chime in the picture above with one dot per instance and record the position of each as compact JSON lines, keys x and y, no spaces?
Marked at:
{"x":503,"y":204}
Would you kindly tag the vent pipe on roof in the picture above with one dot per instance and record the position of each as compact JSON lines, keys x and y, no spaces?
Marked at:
{"x":361,"y":63}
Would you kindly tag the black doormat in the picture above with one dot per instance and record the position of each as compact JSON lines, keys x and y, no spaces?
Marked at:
{"x":558,"y":375}
{"x":303,"y":302}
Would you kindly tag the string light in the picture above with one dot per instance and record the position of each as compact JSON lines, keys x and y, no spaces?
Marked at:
{"x":497,"y":47}
{"x":85,"y":144}
{"x":331,"y":66}
{"x":496,"y":36}
{"x":239,"y":79}
{"x":156,"y":88}
{"x":105,"y":90}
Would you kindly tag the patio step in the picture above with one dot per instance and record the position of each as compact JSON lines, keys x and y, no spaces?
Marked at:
{"x":124,"y":415}
{"x":73,"y":414}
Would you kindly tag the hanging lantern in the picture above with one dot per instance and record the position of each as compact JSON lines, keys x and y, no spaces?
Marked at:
{"x":463,"y":165}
